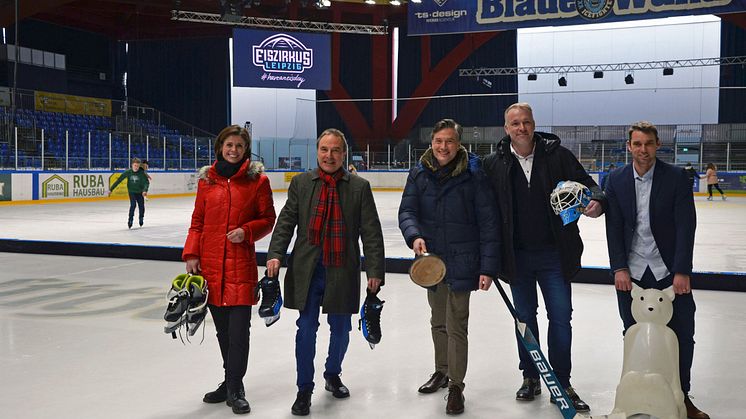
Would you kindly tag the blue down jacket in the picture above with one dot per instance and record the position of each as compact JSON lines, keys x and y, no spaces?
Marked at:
{"x":456,"y":216}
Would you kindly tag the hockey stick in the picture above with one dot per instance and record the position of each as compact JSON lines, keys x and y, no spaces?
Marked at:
{"x":562,"y":400}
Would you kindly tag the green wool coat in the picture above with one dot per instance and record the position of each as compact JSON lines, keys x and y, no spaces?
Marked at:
{"x":342,"y":293}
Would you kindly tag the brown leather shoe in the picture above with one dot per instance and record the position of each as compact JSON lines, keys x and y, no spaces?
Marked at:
{"x":437,"y":381}
{"x":455,"y":404}
{"x":692,"y":412}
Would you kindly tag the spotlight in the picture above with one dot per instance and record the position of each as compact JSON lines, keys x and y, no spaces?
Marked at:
{"x":598,"y":74}
{"x":323,"y":4}
{"x":532,"y":77}
{"x":668,"y":71}
{"x":370,"y":1}
{"x":562,"y":81}
{"x":415,"y":1}
{"x":395,"y":2}
{"x":629,"y":79}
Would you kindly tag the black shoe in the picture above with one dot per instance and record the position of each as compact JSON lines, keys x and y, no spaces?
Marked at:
{"x":577,"y":402}
{"x":237,"y":401}
{"x":455,"y":403}
{"x":531,"y":387}
{"x":129,"y":224}
{"x":339,"y":390}
{"x":437,"y":381}
{"x":218,"y":396}
{"x":141,"y":222}
{"x":302,"y":405}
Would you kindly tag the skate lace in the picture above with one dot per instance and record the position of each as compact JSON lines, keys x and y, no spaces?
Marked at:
{"x":271,"y":292}
{"x":373,"y":317}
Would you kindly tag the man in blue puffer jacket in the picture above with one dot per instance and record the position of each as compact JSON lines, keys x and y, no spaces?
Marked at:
{"x":448,"y":209}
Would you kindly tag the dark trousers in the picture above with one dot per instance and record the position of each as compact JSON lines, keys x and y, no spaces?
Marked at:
{"x":682,"y":322}
{"x":716,"y":186}
{"x":305,"y":338}
{"x":543,"y":267}
{"x":136,"y":198}
{"x":232,"y":324}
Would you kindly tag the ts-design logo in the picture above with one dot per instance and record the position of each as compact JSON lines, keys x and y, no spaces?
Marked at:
{"x":594,"y":9}
{"x":283,"y":54}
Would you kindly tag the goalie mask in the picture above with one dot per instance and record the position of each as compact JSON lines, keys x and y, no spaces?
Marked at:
{"x":569,"y":200}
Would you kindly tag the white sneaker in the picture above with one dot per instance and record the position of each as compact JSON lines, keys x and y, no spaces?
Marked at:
{"x":709,"y":198}
{"x":724,"y":197}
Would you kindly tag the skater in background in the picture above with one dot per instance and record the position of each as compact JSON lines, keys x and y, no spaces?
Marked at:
{"x":144,"y":166}
{"x":691,"y":173}
{"x":651,"y":242}
{"x":536,"y":247}
{"x":448,"y":209}
{"x":351,"y":168}
{"x":712,"y":181}
{"x":332,"y":211}
{"x":232,"y":211}
{"x":137,"y":188}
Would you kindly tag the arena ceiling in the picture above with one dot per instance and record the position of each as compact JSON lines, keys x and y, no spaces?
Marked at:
{"x":151,"y":19}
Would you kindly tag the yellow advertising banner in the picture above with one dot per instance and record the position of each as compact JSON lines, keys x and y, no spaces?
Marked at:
{"x":79,"y":105}
{"x":290,"y":175}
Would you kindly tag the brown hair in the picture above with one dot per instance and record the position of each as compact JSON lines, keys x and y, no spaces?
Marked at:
{"x":447,"y":123}
{"x":227,"y":132}
{"x":335,"y":132}
{"x":645,"y":127}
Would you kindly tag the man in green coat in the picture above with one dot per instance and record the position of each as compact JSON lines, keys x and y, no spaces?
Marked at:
{"x":332,"y":210}
{"x":138,"y":182}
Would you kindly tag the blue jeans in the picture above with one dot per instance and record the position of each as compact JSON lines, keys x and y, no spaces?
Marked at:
{"x":544,"y":267}
{"x":305,"y":338}
{"x":682,"y":321}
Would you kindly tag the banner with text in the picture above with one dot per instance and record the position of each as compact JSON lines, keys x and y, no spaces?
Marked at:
{"x":458,"y":16}
{"x":284,"y":60}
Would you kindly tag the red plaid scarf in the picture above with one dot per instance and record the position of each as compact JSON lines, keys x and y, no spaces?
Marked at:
{"x":328,"y":216}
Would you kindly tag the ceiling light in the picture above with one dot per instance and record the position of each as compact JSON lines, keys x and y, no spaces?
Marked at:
{"x":629,"y":79}
{"x":532,"y":77}
{"x":395,"y":2}
{"x":370,"y":1}
{"x":668,"y":71}
{"x":598,"y":74}
{"x":562,"y":81}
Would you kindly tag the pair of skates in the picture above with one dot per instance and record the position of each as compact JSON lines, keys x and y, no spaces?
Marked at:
{"x":187,"y":304}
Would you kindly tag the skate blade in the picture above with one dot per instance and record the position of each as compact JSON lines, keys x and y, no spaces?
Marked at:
{"x":269,"y":321}
{"x":372,"y":346}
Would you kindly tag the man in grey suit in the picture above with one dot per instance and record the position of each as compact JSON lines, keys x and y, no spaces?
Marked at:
{"x":650,"y":225}
{"x":332,"y":210}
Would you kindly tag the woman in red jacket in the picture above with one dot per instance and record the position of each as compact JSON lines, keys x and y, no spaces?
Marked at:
{"x":233,"y":210}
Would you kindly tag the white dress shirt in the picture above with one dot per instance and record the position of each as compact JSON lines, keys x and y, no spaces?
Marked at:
{"x":527,"y":163}
{"x":644,"y":252}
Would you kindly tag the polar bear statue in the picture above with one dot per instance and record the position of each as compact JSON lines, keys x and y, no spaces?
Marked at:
{"x":650,"y":383}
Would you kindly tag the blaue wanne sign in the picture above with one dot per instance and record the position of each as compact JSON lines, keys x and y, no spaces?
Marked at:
{"x":285,"y":60}
{"x":458,"y":16}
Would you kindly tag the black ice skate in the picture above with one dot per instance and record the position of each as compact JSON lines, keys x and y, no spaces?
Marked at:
{"x":271,"y":304}
{"x":370,"y":319}
{"x":197,"y":287}
{"x":178,"y":302}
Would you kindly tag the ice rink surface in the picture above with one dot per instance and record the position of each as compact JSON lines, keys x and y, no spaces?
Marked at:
{"x":83,"y":337}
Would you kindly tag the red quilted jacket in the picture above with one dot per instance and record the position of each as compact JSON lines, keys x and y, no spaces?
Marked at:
{"x":222,"y":205}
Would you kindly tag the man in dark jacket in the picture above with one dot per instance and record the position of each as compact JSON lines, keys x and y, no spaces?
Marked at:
{"x":651,"y":241}
{"x":332,"y":211}
{"x":448,"y":209}
{"x":536,"y":246}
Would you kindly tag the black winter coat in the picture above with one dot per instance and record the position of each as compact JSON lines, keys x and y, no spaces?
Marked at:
{"x":560,"y":165}
{"x":457,"y":217}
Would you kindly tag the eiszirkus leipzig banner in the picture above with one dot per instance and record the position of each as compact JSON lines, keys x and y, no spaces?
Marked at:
{"x":457,"y":16}
{"x":289,"y":60}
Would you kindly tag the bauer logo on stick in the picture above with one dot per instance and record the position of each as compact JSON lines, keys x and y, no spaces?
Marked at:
{"x":569,"y":200}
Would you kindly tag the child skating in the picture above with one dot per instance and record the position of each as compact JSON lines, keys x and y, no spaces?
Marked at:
{"x":137,"y":188}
